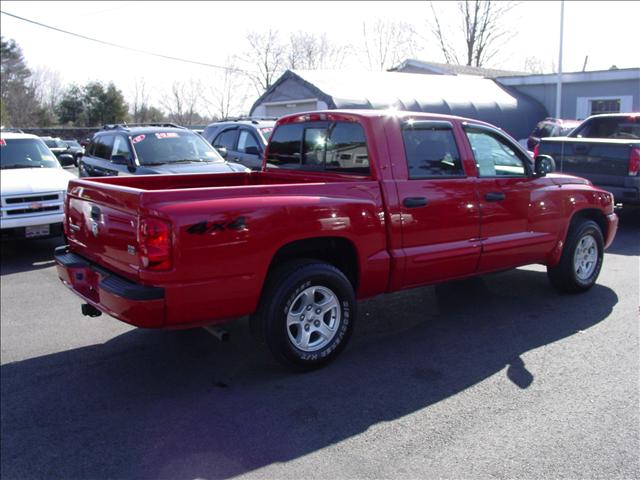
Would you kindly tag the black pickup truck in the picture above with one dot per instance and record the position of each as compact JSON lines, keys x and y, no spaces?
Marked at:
{"x":604,"y":149}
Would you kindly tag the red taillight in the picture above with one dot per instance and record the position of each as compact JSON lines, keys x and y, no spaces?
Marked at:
{"x":154,"y":237}
{"x":634,"y":161}
{"x":536,"y":150}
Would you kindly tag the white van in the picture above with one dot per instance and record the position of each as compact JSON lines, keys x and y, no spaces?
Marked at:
{"x":33,"y":186}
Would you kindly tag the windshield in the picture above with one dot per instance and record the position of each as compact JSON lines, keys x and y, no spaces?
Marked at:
{"x":25,"y":153}
{"x":55,"y":143}
{"x":172,"y":147}
{"x":72,"y":143}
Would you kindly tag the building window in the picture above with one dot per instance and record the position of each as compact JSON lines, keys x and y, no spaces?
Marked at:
{"x":605,"y":106}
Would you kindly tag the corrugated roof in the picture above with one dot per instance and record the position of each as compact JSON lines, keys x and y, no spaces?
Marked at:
{"x":461,"y":95}
{"x":452,"y":69}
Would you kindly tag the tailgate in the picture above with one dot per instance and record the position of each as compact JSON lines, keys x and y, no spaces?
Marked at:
{"x":102,"y":225}
{"x":601,"y":161}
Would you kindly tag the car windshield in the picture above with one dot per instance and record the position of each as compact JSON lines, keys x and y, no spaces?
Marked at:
{"x":53,"y":143}
{"x":72,"y":143}
{"x":158,"y":148}
{"x":25,"y":153}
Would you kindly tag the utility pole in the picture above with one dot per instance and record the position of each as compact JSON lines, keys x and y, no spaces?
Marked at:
{"x":559,"y":84}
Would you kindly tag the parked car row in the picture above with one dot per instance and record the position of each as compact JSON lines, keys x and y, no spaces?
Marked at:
{"x":67,"y":152}
{"x":239,"y":145}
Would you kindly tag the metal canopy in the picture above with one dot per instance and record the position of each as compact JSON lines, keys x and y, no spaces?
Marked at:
{"x":465,"y":96}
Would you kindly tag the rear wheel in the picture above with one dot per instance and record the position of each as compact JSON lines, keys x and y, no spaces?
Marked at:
{"x":581,"y":259}
{"x":306,"y":314}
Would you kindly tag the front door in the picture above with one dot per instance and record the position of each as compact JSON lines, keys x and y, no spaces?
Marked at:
{"x":506,"y":188}
{"x":439,"y":208}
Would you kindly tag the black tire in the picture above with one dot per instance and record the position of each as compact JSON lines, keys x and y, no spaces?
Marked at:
{"x":288,"y":284}
{"x":564,"y":275}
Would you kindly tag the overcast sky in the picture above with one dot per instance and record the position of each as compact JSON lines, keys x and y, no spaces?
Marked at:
{"x":212,"y":31}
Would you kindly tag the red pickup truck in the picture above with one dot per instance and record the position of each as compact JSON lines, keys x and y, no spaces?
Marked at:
{"x":348,"y":204}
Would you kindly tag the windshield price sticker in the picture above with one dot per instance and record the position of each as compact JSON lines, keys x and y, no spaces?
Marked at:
{"x":137,"y":139}
{"x":167,"y":135}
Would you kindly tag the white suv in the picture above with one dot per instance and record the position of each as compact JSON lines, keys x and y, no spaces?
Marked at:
{"x":32,"y":188}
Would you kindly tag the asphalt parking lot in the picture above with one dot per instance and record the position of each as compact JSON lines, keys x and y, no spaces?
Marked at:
{"x":497,"y":377}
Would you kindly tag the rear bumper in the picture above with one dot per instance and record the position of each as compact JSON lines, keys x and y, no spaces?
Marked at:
{"x":130,"y":302}
{"x":628,"y":195}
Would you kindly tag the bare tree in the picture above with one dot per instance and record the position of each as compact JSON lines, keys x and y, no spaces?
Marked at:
{"x":483,"y":27}
{"x":265,"y":58}
{"x":140,"y":100}
{"x":227,"y":93}
{"x":307,"y":51}
{"x":387,"y":42}
{"x":48,"y":87}
{"x":534,"y":65}
{"x":183,"y":101}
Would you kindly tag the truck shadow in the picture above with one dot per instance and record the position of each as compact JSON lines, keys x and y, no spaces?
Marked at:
{"x":627,"y":241}
{"x":26,"y":255}
{"x":151,"y":404}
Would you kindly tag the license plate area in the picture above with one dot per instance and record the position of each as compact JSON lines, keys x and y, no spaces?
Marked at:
{"x":37,"y":231}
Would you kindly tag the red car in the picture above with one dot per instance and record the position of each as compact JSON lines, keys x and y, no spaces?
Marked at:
{"x":348,"y":204}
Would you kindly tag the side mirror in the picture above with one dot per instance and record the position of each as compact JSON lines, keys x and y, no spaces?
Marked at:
{"x":120,"y":160}
{"x":222,"y":151}
{"x":544,"y":164}
{"x":65,"y":159}
{"x":252,"y":150}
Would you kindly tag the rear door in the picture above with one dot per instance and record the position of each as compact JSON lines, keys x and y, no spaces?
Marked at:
{"x":249,"y":149}
{"x":439,"y":207}
{"x":227,"y":139}
{"x":97,"y":162}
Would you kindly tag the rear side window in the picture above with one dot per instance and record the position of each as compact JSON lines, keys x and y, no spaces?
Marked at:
{"x":121,"y":148}
{"x":285,"y":145}
{"x":329,"y":146}
{"x":103,"y":146}
{"x":246,"y":139}
{"x":226,"y":139}
{"x":431,"y":150}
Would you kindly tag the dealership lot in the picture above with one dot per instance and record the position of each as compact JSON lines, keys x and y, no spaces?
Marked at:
{"x":492,"y":377}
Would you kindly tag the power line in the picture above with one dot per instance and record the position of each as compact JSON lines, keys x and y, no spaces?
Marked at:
{"x":167,"y":57}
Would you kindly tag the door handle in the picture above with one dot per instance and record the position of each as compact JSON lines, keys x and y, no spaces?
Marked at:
{"x":413,"y":202}
{"x":494,"y":196}
{"x":95,"y":213}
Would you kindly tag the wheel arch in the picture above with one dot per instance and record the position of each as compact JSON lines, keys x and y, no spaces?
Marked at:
{"x":337,"y":251}
{"x":593,"y":214}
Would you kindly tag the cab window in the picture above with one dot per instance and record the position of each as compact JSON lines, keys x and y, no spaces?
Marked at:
{"x":494,"y":156}
{"x":431,"y":150}
{"x":328,"y":146}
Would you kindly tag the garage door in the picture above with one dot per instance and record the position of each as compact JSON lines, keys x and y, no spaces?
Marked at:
{"x":285,"y":109}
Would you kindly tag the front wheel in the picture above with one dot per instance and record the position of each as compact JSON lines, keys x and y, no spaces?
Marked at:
{"x":581,"y":259}
{"x":306,"y":314}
